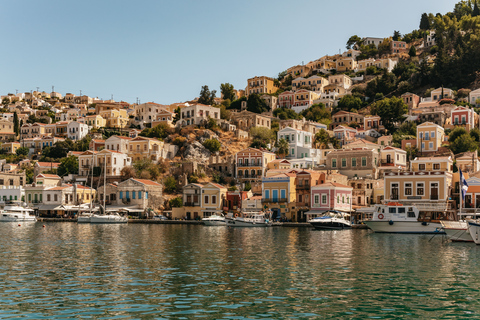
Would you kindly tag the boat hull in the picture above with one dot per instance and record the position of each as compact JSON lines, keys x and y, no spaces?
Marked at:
{"x":457,"y":231}
{"x":11,"y":218}
{"x":405,"y":227}
{"x":106,"y":219}
{"x":214,"y":223}
{"x":251,"y":224}
{"x":334,"y":225}
{"x":474,"y":230}
{"x":83,"y":219}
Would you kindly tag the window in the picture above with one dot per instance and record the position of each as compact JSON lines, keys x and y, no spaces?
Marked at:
{"x":133,"y":194}
{"x":206,"y":200}
{"x":55,"y":197}
{"x":430,"y":145}
{"x":344,"y":162}
{"x":139,"y":194}
{"x":324,"y":199}
{"x":436,"y":166}
{"x":48,"y":197}
{"x":343,"y":199}
{"x":214,"y":199}
{"x":127,"y":194}
{"x":146,"y":195}
{"x":29,"y":197}
{"x":364,"y":161}
{"x":421,"y":166}
{"x":338,"y":199}
{"x":121,"y":195}
{"x":354,"y":162}
{"x":408,"y":189}
{"x":420,"y":189}
{"x":334,"y":163}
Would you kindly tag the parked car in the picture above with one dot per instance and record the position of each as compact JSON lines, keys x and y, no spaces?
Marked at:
{"x":160,"y":217}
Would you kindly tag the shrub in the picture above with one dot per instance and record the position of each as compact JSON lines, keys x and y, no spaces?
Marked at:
{"x":170,"y":184}
{"x":212,"y":144}
{"x":176,"y":202}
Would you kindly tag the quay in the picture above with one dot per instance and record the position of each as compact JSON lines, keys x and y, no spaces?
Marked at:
{"x":196,"y":222}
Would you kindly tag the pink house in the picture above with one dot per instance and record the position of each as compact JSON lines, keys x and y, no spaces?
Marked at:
{"x":286,"y":99}
{"x":399,"y":46}
{"x":330,"y":196}
{"x":344,"y":134}
{"x":462,"y":116}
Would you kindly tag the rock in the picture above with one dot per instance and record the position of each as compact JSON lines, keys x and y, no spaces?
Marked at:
{"x":196,"y":151}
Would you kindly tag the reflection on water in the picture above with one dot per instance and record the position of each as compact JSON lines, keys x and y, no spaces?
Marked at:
{"x":175,"y":271}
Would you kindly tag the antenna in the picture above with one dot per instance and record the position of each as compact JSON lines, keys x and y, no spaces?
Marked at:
{"x":80,"y":93}
{"x":53,"y":88}
{"x":112,"y":97}
{"x":16,"y":91}
{"x":38,"y":89}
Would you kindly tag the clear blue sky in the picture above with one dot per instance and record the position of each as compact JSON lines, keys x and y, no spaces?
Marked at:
{"x":165,"y":51}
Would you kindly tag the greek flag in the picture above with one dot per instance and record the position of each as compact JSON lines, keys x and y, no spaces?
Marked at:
{"x":463,"y":185}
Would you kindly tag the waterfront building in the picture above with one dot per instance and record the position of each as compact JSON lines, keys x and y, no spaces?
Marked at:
{"x":329,"y":196}
{"x":355,"y":162}
{"x":201,"y":201}
{"x":279,"y":195}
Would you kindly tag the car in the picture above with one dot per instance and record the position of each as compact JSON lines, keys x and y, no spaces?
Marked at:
{"x":160,"y":217}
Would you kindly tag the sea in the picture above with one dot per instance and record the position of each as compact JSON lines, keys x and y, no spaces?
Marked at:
{"x":163,"y":271}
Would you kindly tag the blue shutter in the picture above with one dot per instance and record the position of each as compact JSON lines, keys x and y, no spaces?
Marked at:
{"x":133,"y":194}
{"x":128,"y":194}
{"x":146,"y":195}
{"x":139,"y":194}
{"x":121,"y":194}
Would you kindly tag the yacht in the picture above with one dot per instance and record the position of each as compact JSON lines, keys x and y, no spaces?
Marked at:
{"x":215,"y":220}
{"x":108,"y":218}
{"x":397,"y":218}
{"x":457,"y":231}
{"x":250,"y":219}
{"x":331,"y":220}
{"x":17,"y":213}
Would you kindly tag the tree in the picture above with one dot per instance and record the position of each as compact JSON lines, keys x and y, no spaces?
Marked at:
{"x":322,"y":138}
{"x":16,"y":124}
{"x":391,"y":111}
{"x":127,"y":173}
{"x":227,"y":91}
{"x":385,"y":47}
{"x":282,"y":147}
{"x":213,"y":145}
{"x":457,"y":132}
{"x":68,"y":165}
{"x":412,"y":52}
{"x":463,"y":143}
{"x":207,"y":97}
{"x":349,"y":102}
{"x":176,"y":117}
{"x":176,"y":202}
{"x":396,"y":35}
{"x":353,"y":41}
{"x":170,"y":184}
{"x":160,"y":131}
{"x":317,"y":112}
{"x":476,"y":10}
{"x":22,"y":151}
{"x":285,"y":114}
{"x":262,"y":134}
{"x":256,"y":104}
{"x":424,"y":22}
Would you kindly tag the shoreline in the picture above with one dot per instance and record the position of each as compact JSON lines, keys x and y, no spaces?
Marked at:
{"x":196,"y":222}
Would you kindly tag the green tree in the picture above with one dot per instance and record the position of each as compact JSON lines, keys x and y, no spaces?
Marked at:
{"x":391,"y":111}
{"x":262,"y":134}
{"x":455,"y":133}
{"x":385,"y":47}
{"x":424,"y":22}
{"x":68,"y":165}
{"x":353,"y":40}
{"x":176,"y":117}
{"x":212,"y":144}
{"x":256,"y":104}
{"x":322,"y":139}
{"x":412,"y":52}
{"x":170,"y":184}
{"x":282,"y":147}
{"x":248,"y":186}
{"x":317,"y":112}
{"x":176,"y":202}
{"x":16,"y":124}
{"x":285,"y":114}
{"x":160,"y":131}
{"x":227,"y":91}
{"x":349,"y":102}
{"x":396,"y":35}
{"x":207,"y":97}
{"x":22,"y":151}
{"x":476,"y":10}
{"x":463,"y":143}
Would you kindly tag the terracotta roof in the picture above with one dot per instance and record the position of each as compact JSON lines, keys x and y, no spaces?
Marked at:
{"x":147,"y":182}
{"x":58,"y":188}
{"x":122,"y":137}
{"x":333,"y":184}
{"x":218,"y":185}
{"x":48,"y":164}
{"x":98,"y":140}
{"x":48,"y":175}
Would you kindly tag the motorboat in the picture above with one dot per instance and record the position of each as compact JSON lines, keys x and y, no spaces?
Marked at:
{"x":84,"y":217}
{"x":215,"y":220}
{"x":474,"y":230}
{"x":331,"y":220}
{"x":108,"y":218}
{"x":397,"y":218}
{"x":16,"y":213}
{"x":250,"y":219}
{"x":457,"y":231}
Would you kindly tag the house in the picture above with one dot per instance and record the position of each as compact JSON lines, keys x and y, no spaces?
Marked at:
{"x":117,"y":143}
{"x":385,"y":140}
{"x":252,"y":204}
{"x":372,"y":40}
{"x":251,"y":163}
{"x":309,"y":126}
{"x":344,"y":134}
{"x":260,"y":85}
{"x":363,"y":191}
{"x":201,"y":201}
{"x":345,"y":118}
{"x":282,"y":164}
{"x":314,"y":83}
{"x":386,"y":63}
{"x":6,"y":130}
{"x":142,"y":148}
{"x":411,"y":100}
{"x":298,"y":70}
{"x":244,"y":120}
{"x":96,"y":144}
{"x":95,"y":121}
{"x":344,"y":64}
{"x":436,"y":116}
{"x":76,"y":131}
{"x":163,"y":116}
{"x":373,"y":122}
{"x":467,"y":162}
{"x":10,"y":147}
{"x":398,"y":46}
{"x":430,"y":137}
{"x":198,"y":114}
{"x":148,"y":112}
{"x":40,"y":167}
{"x":286,"y":99}
{"x":341,"y":80}
{"x":234,"y":201}
{"x":303,"y":99}
{"x":29,"y":130}
{"x":279,"y":195}
{"x":305,"y":181}
{"x":473,"y":97}
{"x":393,"y":157}
{"x":115,"y":161}
{"x":355,"y":162}
{"x":430,"y":39}
{"x":463,"y":117}
{"x":441,"y":93}
{"x":114,"y":118}
{"x":330,"y":196}
{"x":299,"y":142}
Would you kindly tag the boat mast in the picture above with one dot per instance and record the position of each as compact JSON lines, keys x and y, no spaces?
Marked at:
{"x":105,"y":185}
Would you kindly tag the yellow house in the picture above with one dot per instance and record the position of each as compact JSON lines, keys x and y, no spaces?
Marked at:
{"x":115,"y":118}
{"x":282,"y":164}
{"x":95,"y":121}
{"x":279,"y":195}
{"x":260,"y":85}
{"x":430,"y":137}
{"x":346,"y":64}
{"x":141,"y":148}
{"x":200,"y":201}
{"x":11,"y":147}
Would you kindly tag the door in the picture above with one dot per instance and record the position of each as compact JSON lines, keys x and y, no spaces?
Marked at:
{"x":275,"y":195}
{"x":394,"y":195}
{"x":389,"y":158}
{"x":434,"y":191}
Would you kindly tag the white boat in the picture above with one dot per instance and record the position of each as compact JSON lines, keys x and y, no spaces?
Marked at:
{"x":250,"y":219}
{"x":396,"y":218}
{"x":457,"y":231}
{"x":112,"y":217}
{"x":16,"y":213}
{"x":215,"y":220}
{"x":331,"y":220}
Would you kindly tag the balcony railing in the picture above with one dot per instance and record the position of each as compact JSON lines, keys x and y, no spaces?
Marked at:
{"x":274,"y":200}
{"x":249,"y":165}
{"x":191,"y":204}
{"x":303,"y":187}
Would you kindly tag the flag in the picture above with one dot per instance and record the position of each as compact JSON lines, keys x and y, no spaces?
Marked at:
{"x":463,"y":185}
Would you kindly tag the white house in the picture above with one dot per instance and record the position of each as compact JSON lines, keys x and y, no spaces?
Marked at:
{"x":115,"y":162}
{"x":473,"y":96}
{"x":118,"y":143}
{"x":76,"y":130}
{"x":299,"y":142}
{"x":198,"y":114}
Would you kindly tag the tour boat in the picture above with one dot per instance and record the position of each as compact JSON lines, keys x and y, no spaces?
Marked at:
{"x":16,"y":213}
{"x":250,"y":219}
{"x":457,"y":231}
{"x":331,"y":220}
{"x":396,"y":218}
{"x":215,"y":220}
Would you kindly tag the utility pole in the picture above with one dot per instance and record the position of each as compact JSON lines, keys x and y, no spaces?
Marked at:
{"x":80,"y":93}
{"x":53,"y":88}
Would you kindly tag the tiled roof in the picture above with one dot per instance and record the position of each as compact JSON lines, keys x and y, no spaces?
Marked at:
{"x":48,"y":175}
{"x":147,"y":182}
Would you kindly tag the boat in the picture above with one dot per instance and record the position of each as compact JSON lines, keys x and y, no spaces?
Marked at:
{"x":105,"y":218}
{"x":250,"y":219}
{"x":393,"y":217}
{"x":17,"y":213}
{"x":331,"y":220}
{"x":214,"y":220}
{"x":457,"y":231}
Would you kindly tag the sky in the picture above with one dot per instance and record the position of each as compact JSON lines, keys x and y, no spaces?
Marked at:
{"x":165,"y":51}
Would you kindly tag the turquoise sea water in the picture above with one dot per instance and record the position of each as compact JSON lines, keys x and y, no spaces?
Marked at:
{"x":66,"y":271}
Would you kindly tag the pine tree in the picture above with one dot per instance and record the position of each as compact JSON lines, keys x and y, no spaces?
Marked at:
{"x":424,"y":22}
{"x":16,"y":125}
{"x":476,"y":10}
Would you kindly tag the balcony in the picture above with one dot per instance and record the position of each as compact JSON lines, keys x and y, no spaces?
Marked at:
{"x":388,"y":163}
{"x":191,"y":204}
{"x":303,"y":187}
{"x":274,"y":200}
{"x":248,"y":165}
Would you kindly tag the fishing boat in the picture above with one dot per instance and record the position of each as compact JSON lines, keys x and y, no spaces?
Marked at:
{"x":214,"y":220}
{"x":251,"y":219}
{"x":394,"y":217}
{"x":331,"y":220}
{"x":17,"y":213}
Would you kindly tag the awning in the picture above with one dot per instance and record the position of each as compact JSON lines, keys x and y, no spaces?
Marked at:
{"x":134,"y":209}
{"x":49,"y":207}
